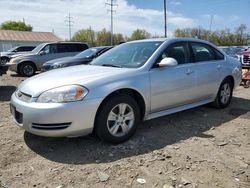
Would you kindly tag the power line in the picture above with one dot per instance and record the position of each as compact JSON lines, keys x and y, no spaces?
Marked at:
{"x":111,"y":10}
{"x":69,"y":23}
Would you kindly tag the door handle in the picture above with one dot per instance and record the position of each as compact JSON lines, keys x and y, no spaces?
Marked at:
{"x":189,"y":71}
{"x":219,"y":67}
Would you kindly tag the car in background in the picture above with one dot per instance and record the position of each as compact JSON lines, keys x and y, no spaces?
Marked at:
{"x":6,"y":56}
{"x":232,"y":51}
{"x":82,"y":58}
{"x":28,"y":64}
{"x":137,"y":80}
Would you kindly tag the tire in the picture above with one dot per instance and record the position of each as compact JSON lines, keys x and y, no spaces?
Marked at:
{"x":117,"y":119}
{"x":4,"y":60}
{"x":224,"y":95}
{"x":27,"y":69}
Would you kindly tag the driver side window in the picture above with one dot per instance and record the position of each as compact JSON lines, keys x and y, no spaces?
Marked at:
{"x":179,"y":51}
{"x":50,"y":49}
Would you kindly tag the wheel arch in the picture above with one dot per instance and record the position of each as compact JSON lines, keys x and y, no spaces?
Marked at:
{"x":129,"y":91}
{"x":231,"y":78}
{"x":27,"y":61}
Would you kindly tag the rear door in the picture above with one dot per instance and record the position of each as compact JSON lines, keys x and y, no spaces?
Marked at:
{"x":173,"y":86}
{"x":70,"y":49}
{"x":208,"y":67}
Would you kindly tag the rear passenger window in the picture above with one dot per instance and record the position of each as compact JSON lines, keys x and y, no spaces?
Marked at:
{"x":64,"y":48}
{"x":202,"y":52}
{"x":218,"y":55}
{"x":178,"y":51}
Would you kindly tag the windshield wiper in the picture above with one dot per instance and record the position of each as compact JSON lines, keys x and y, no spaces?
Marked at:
{"x":111,"y":65}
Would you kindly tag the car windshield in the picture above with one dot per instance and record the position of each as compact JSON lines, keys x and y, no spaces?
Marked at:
{"x":38,"y":48}
{"x":87,"y":53}
{"x":12,"y":49}
{"x":130,"y":55}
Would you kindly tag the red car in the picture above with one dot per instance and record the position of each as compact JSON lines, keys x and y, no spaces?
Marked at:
{"x":245,"y":63}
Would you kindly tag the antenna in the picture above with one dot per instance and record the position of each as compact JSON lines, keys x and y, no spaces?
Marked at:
{"x":111,"y":10}
{"x":69,"y":23}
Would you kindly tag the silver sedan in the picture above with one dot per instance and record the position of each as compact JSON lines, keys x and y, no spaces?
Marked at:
{"x":134,"y":81}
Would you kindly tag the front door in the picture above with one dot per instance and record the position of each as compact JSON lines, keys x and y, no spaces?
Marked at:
{"x":173,"y":86}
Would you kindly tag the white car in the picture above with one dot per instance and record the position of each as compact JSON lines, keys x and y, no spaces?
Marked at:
{"x":134,"y":81}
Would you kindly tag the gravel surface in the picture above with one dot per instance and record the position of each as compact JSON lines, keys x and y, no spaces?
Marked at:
{"x":201,"y":147}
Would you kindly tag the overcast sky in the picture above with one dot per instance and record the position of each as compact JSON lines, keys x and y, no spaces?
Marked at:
{"x":48,"y":15}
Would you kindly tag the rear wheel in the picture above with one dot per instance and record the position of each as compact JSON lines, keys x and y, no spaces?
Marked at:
{"x":224,"y":95}
{"x":27,"y":69}
{"x":117,"y":119}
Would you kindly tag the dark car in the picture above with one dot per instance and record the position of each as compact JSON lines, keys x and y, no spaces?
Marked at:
{"x":82,"y":58}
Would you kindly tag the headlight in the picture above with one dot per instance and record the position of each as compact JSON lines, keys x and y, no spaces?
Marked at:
{"x":63,"y":94}
{"x":55,"y":66}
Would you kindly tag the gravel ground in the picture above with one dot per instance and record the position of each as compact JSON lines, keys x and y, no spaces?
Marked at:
{"x":201,"y":147}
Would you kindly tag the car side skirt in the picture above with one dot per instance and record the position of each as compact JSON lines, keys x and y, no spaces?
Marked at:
{"x":178,"y":109}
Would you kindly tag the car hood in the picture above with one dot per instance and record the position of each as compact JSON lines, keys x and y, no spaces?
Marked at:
{"x":64,"y":60}
{"x":81,"y":75}
{"x":23,"y":55}
{"x":6,"y":53}
{"x":245,"y":53}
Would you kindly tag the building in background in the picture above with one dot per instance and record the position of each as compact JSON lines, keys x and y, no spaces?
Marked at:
{"x":10,"y":39}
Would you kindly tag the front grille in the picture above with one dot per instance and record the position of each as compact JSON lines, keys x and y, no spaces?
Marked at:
{"x":17,"y":115}
{"x":55,"y":126}
{"x":246,"y":59}
{"x":23,"y":96}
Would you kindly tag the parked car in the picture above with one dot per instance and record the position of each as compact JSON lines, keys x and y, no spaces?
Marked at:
{"x":82,"y":58}
{"x":245,"y":64}
{"x":28,"y":64}
{"x":232,"y":51}
{"x":134,"y":81}
{"x":5,"y":56}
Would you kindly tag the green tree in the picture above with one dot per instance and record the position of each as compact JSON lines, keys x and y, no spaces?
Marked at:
{"x":118,"y":38}
{"x":17,"y":26}
{"x":85,"y":35}
{"x":103,"y":38}
{"x":224,"y":37}
{"x":140,"y":34}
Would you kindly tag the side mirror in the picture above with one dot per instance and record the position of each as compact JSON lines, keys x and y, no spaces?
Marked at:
{"x":168,"y":62}
{"x":42,"y":53}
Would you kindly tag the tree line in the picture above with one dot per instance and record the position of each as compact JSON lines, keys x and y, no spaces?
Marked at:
{"x":240,"y":36}
{"x":103,"y":37}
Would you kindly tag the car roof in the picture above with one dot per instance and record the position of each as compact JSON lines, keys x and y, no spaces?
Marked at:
{"x":62,"y":42}
{"x":173,"y":39}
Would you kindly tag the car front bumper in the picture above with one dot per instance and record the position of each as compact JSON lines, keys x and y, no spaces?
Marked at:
{"x":55,"y":119}
{"x":12,"y":66}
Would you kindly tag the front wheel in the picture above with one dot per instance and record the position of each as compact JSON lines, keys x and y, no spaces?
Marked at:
{"x":27,"y":69}
{"x":224,"y":95}
{"x":117,"y":119}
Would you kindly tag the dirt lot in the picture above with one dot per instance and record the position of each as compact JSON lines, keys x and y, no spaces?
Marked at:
{"x":202,"y":147}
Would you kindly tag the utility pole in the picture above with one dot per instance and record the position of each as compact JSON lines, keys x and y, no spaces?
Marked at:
{"x":165,"y":18}
{"x":111,"y":10}
{"x":69,"y":23}
{"x":211,"y":22}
